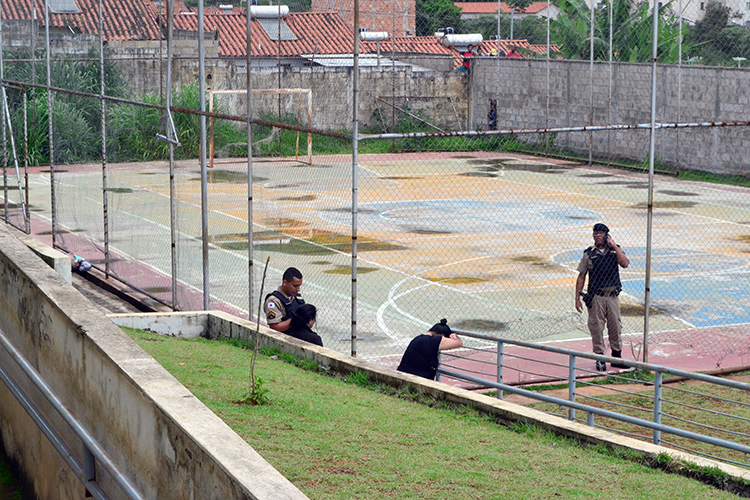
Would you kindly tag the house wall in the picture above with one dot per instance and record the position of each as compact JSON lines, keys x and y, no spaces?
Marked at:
{"x":708,"y":94}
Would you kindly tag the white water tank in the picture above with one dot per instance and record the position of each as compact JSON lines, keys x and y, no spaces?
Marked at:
{"x":268,"y":11}
{"x":462,"y":41}
{"x":373,"y":36}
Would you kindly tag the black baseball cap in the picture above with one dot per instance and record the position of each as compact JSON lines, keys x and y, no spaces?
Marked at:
{"x":600,"y":227}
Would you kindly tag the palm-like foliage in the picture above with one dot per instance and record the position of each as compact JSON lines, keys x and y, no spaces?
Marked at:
{"x":632,"y":28}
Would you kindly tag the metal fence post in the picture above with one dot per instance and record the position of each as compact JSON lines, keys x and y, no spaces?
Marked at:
{"x":657,"y":406}
{"x":440,"y":361}
{"x":571,"y":385}
{"x":589,"y":419}
{"x":500,"y":347}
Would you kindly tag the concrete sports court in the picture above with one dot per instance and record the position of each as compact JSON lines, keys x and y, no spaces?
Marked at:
{"x":489,"y":241}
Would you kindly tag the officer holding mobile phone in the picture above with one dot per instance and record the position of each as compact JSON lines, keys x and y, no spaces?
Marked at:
{"x":602,"y":263}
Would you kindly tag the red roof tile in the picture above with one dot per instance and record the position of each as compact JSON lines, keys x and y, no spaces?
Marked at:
{"x":490,"y":8}
{"x":316,"y":32}
{"x":124,"y":19}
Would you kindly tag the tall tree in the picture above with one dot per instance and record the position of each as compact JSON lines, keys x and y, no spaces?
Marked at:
{"x":434,"y":15}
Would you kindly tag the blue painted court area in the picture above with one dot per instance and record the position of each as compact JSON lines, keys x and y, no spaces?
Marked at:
{"x":686,"y":285}
{"x":466,"y":216}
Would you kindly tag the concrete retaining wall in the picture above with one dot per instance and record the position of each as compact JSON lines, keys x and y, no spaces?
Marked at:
{"x":168,"y":443}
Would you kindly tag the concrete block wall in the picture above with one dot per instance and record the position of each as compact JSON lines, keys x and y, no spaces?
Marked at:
{"x":157,"y":433}
{"x":707,"y":94}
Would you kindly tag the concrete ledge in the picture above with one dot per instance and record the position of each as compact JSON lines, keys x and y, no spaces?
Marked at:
{"x":220,"y":324}
{"x":58,"y":261}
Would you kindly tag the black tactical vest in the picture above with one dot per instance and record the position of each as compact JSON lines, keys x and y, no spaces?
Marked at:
{"x":604,"y":272}
{"x":290,"y":304}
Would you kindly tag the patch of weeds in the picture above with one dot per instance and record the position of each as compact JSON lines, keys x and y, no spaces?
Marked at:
{"x":360,"y":378}
{"x":663,"y":460}
{"x":258,"y":394}
{"x":269,"y":351}
{"x":241,"y":344}
{"x":634,"y":377}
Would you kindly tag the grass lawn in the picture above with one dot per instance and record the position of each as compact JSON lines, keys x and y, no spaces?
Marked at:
{"x":337,"y":439}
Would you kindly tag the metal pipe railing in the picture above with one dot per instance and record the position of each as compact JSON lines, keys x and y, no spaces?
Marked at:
{"x":656,"y":426}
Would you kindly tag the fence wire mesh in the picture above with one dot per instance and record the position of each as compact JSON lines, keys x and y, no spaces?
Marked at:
{"x":474,"y":190}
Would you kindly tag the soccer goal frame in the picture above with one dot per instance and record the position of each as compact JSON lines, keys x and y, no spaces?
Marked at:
{"x":299,"y":92}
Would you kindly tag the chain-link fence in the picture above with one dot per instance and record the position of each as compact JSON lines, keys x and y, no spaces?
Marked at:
{"x":467,"y":194}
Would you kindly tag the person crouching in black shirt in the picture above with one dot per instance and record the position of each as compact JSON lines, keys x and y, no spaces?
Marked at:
{"x":303,"y":319}
{"x":421,"y":356}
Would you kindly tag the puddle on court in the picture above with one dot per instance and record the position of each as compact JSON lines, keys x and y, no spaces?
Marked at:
{"x":667,"y":204}
{"x":348,"y":210}
{"x":458,"y":280}
{"x":576,"y":217}
{"x":511,"y":164}
{"x":745,"y":238}
{"x":427,"y":231}
{"x":320,"y":262}
{"x":677,"y":193}
{"x":348,"y":270}
{"x":594,"y":176}
{"x":11,"y":187}
{"x":158,"y":289}
{"x":227,"y":177}
{"x":284,"y":186}
{"x":120,"y":190}
{"x":479,"y":325}
{"x":627,"y":184}
{"x":60,"y":231}
{"x":460,"y":157}
{"x":308,"y":197}
{"x":477,"y":174}
{"x":534,"y":261}
{"x":300,"y":239}
{"x":13,"y":206}
{"x":57,"y":171}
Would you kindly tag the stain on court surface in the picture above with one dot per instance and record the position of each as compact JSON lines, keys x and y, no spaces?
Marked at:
{"x":428,"y":231}
{"x":594,"y":176}
{"x":225,"y":177}
{"x":677,"y":193}
{"x":401,"y":178}
{"x":458,"y":280}
{"x":348,"y":270}
{"x":120,"y":190}
{"x":308,"y":197}
{"x":667,"y":204}
{"x":534,"y":261}
{"x":478,"y":325}
{"x":478,"y":174}
{"x":638,"y":311}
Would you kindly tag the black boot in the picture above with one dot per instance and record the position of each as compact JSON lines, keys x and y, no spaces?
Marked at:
{"x":617,"y":354}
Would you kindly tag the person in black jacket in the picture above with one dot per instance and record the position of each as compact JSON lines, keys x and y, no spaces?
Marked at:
{"x":421,"y":356}
{"x":303,"y":319}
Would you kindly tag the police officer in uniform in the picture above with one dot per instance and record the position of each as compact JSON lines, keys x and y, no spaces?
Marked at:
{"x":281,"y":303}
{"x":602,"y":263}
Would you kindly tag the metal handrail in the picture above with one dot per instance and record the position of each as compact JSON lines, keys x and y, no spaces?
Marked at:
{"x":655,"y":425}
{"x":85,"y":472}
